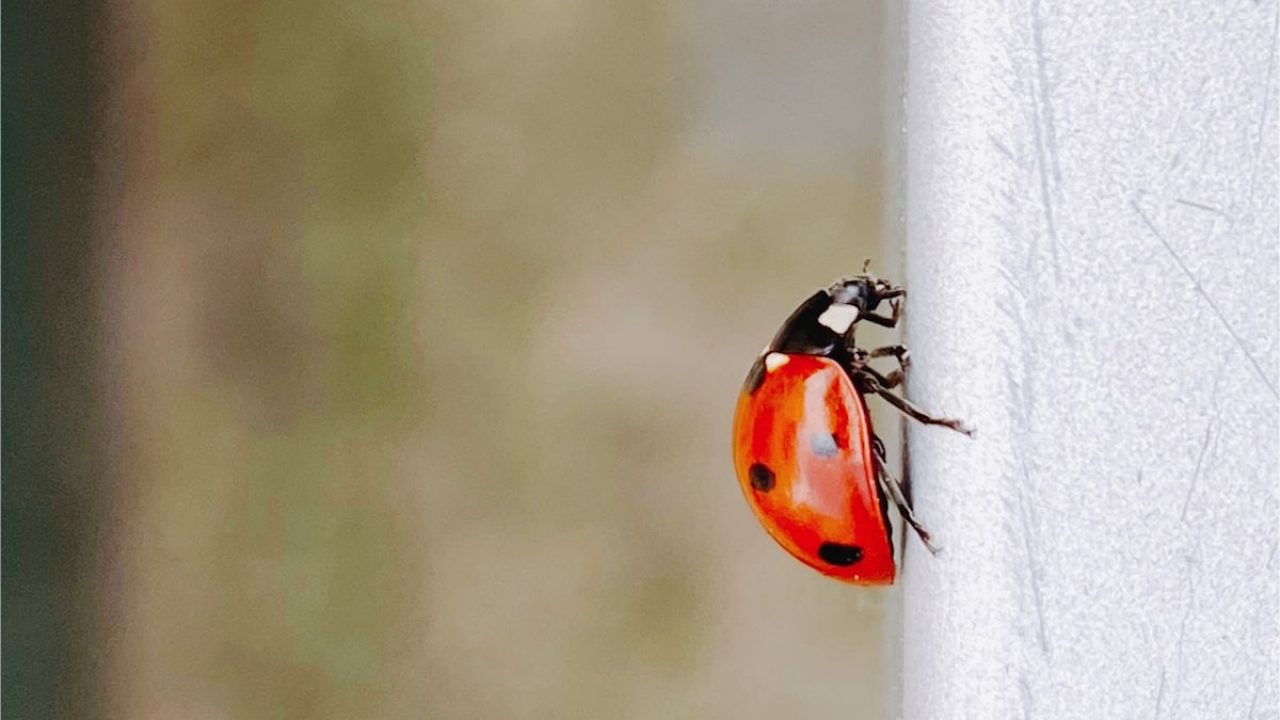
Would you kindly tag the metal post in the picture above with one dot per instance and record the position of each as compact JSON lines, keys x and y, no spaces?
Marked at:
{"x":1092,"y":256}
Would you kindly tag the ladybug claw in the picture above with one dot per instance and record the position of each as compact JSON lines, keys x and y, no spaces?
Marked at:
{"x":926,"y":538}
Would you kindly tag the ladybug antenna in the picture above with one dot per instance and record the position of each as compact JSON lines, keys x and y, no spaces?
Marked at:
{"x":866,"y":263}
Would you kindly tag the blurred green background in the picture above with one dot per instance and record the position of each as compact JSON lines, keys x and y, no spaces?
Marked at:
{"x":377,"y":359}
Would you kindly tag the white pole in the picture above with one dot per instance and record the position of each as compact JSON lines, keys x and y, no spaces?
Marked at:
{"x":1092,"y":257}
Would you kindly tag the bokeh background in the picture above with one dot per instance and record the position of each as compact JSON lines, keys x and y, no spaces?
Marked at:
{"x":377,"y":359}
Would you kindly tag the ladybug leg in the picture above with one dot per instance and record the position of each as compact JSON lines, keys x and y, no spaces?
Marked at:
{"x":877,"y":447}
{"x":903,"y":355}
{"x":898,"y":351}
{"x":889,"y":484}
{"x":872,"y":384}
{"x":859,"y":356}
{"x":894,"y":303}
{"x":893,"y":379}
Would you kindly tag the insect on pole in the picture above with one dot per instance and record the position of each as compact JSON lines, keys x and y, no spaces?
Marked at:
{"x":809,"y":461}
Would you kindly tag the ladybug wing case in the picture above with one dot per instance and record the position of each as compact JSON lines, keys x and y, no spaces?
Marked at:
{"x":802,"y":450}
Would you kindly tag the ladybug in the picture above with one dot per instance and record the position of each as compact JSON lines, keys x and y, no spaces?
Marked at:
{"x":808,"y":461}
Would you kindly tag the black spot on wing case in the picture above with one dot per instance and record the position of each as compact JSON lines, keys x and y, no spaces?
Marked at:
{"x":762,"y":478}
{"x":840,"y":555}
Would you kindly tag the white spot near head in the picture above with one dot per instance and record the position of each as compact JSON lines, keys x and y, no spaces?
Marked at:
{"x":838,"y":317}
{"x":773,"y":361}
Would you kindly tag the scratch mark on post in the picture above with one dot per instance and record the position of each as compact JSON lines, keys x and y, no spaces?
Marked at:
{"x":1195,"y":477}
{"x":1051,"y":132}
{"x":1046,"y":137}
{"x":1212,"y":305}
{"x":1160,"y":694}
{"x":1004,"y":150}
{"x":1202,"y":206}
{"x":1032,"y":563}
{"x":1012,"y":284}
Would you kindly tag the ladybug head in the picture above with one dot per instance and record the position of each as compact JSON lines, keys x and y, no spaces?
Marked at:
{"x":862,"y":291}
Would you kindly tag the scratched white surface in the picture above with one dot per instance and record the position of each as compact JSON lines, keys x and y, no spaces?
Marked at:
{"x":1093,"y":266}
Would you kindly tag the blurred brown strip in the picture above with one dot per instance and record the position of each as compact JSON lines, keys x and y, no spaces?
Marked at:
{"x":52,"y":444}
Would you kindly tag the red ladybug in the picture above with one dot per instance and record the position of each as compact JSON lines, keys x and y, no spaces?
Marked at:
{"x":808,"y":461}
